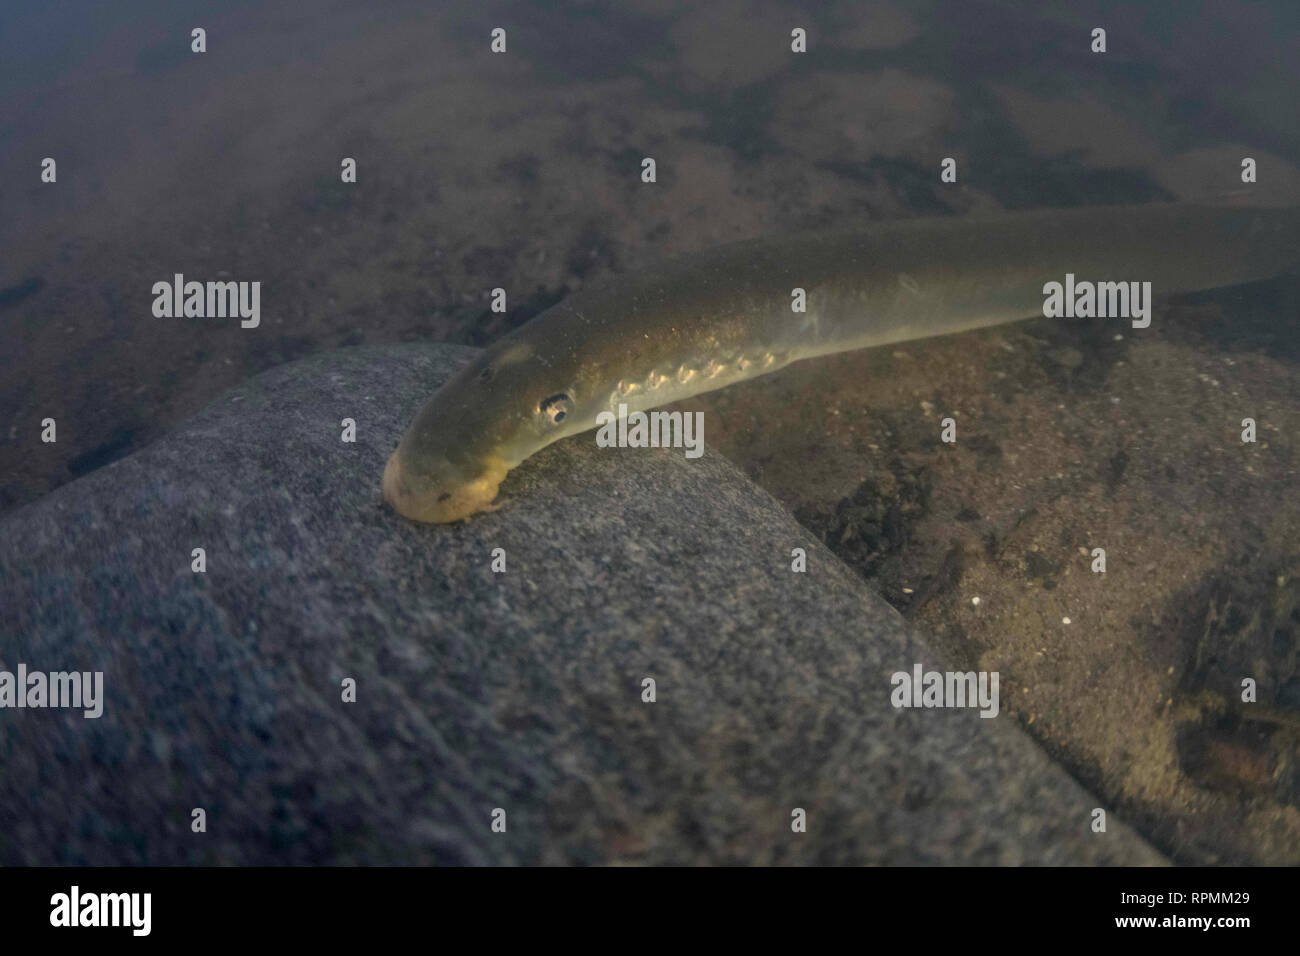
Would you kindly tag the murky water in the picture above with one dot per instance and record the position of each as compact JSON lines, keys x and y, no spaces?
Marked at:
{"x":521,"y":170}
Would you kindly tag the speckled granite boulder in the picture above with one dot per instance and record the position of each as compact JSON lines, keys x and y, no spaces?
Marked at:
{"x":475,"y":690}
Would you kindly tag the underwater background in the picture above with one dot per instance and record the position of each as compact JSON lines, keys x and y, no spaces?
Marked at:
{"x":523,"y":171}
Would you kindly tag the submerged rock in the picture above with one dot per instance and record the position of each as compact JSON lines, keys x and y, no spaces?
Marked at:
{"x":476,"y":692}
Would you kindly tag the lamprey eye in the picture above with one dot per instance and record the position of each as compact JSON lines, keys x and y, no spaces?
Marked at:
{"x":555,"y":409}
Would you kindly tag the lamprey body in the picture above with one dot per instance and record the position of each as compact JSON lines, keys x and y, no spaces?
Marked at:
{"x":709,"y":320}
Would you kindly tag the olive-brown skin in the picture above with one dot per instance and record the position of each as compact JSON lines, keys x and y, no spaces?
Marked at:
{"x":705,"y":321}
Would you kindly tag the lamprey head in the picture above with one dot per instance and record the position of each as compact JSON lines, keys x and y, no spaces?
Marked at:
{"x":487,"y":418}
